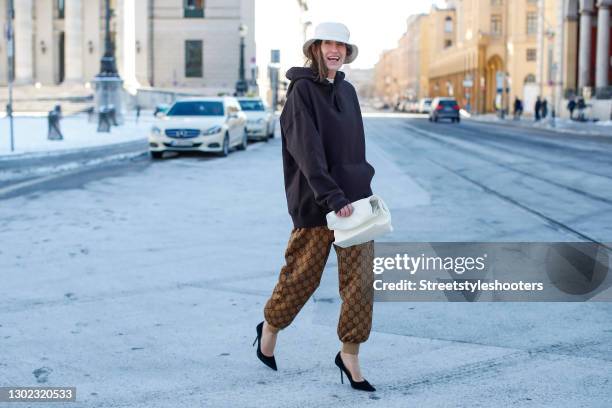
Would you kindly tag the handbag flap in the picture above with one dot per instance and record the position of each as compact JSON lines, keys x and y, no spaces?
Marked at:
{"x":364,"y":211}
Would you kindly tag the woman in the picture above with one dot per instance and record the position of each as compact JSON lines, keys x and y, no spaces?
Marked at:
{"x":325,"y":169}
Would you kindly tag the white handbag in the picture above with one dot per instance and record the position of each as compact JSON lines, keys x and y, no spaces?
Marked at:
{"x":370,"y":219}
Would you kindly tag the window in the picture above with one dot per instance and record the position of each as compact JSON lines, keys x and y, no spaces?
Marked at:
{"x":204,"y":108}
{"x":530,"y":79}
{"x":193,"y":59}
{"x":531,"y":54}
{"x":60,"y":7}
{"x":448,"y":25}
{"x":496,"y":24}
{"x":194,"y":8}
{"x":251,"y":105}
{"x":532,"y":23}
{"x":496,"y":2}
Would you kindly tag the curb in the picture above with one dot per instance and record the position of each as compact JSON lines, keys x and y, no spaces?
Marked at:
{"x":6,"y":157}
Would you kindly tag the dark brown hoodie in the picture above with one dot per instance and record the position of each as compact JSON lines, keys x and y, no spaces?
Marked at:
{"x":323,"y":146}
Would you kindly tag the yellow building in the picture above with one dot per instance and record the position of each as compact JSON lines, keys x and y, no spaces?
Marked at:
{"x":415,"y":42}
{"x":402,"y":73}
{"x":388,"y":75}
{"x":492,"y":56}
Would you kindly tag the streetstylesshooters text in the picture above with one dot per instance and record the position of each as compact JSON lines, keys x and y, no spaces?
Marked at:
{"x":459,"y":265}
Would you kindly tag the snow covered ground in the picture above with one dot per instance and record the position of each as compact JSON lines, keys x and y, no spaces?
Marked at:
{"x":562,"y":125}
{"x":143,"y":287}
{"x":30,"y":134}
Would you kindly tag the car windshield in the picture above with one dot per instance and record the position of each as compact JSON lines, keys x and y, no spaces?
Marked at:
{"x":202,"y":108}
{"x":448,"y":102}
{"x":252,"y":105}
{"x":427,"y":102}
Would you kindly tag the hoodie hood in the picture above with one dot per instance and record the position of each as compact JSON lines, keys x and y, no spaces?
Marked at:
{"x":296,"y":73}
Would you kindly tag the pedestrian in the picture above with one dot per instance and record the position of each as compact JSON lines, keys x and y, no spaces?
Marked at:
{"x":325,"y":169}
{"x":544,"y":108}
{"x":537,"y":108}
{"x":581,"y":105}
{"x":571,"y":106}
{"x":518,"y":108}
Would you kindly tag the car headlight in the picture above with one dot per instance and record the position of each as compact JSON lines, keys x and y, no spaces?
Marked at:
{"x":155,"y":131}
{"x":212,"y":130}
{"x":261,"y":120}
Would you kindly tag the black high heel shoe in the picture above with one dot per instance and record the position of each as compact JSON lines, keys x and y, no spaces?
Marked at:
{"x":269,"y":361}
{"x":358,"y":385}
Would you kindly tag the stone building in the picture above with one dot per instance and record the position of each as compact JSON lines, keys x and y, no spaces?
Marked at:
{"x":487,"y":52}
{"x":191,"y":44}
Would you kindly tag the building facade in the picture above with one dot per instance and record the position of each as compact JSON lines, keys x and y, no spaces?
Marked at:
{"x":158,"y":43}
{"x":490,"y":56}
{"x":486,"y":53}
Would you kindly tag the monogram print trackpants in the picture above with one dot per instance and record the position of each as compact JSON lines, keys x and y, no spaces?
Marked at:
{"x":305,"y":258}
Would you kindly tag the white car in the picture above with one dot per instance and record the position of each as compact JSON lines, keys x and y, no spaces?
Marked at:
{"x":214,"y":124}
{"x":425,"y":105}
{"x":260,"y":120}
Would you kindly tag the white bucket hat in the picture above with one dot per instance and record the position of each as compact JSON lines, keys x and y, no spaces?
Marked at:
{"x":334,"y":32}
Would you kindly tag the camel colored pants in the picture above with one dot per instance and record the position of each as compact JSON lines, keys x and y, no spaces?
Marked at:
{"x":305,"y":258}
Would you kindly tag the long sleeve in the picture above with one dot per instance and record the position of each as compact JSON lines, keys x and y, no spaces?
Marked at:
{"x":305,"y":145}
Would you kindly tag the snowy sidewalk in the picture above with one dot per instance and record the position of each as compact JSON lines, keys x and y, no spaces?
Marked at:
{"x":563,"y":125}
{"x":30,"y":135}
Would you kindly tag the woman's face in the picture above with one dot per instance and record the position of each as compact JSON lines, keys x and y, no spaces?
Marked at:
{"x":334,"y":54}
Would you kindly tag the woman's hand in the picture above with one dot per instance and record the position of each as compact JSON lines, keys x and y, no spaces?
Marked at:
{"x":345,"y":211}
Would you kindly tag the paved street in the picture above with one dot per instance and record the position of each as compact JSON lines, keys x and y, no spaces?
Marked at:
{"x":141,"y":282}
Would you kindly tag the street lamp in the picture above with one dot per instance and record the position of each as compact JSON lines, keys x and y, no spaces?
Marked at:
{"x":108,"y":66}
{"x":241,"y":85}
{"x":108,"y":84}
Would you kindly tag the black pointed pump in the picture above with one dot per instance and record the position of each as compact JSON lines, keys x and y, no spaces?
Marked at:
{"x":358,"y":385}
{"x":269,"y":361}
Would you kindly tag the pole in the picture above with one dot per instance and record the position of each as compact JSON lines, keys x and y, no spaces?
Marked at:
{"x":10,"y":70}
{"x":241,"y":85}
{"x":108,"y":67}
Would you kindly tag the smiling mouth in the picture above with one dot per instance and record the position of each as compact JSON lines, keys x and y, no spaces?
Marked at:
{"x":335,"y":59}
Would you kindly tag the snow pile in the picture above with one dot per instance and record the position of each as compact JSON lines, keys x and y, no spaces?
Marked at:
{"x":30,"y":133}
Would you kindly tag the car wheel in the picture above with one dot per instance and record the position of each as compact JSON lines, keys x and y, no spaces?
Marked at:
{"x":157,"y":155}
{"x":430,"y":119}
{"x":225,"y":148}
{"x":271,"y":134}
{"x":458,"y":120}
{"x":243,"y":145}
{"x":435,"y":119}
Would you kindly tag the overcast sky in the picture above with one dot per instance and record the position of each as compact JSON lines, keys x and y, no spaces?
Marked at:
{"x":374,"y":25}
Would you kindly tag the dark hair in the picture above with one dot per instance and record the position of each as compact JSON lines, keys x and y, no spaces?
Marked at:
{"x":316,"y":61}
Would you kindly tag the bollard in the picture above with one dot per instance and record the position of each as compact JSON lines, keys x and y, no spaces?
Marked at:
{"x":112,"y":115}
{"x":53,"y":120}
{"x":104,"y":122}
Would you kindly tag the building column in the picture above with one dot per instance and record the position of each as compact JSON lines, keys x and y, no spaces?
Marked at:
{"x":73,"y":20}
{"x":584,"y":57}
{"x":602,"y":64}
{"x":570,"y":46}
{"x":24,"y":42}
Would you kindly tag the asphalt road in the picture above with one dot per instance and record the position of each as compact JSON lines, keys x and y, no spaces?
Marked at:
{"x":141,"y":282}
